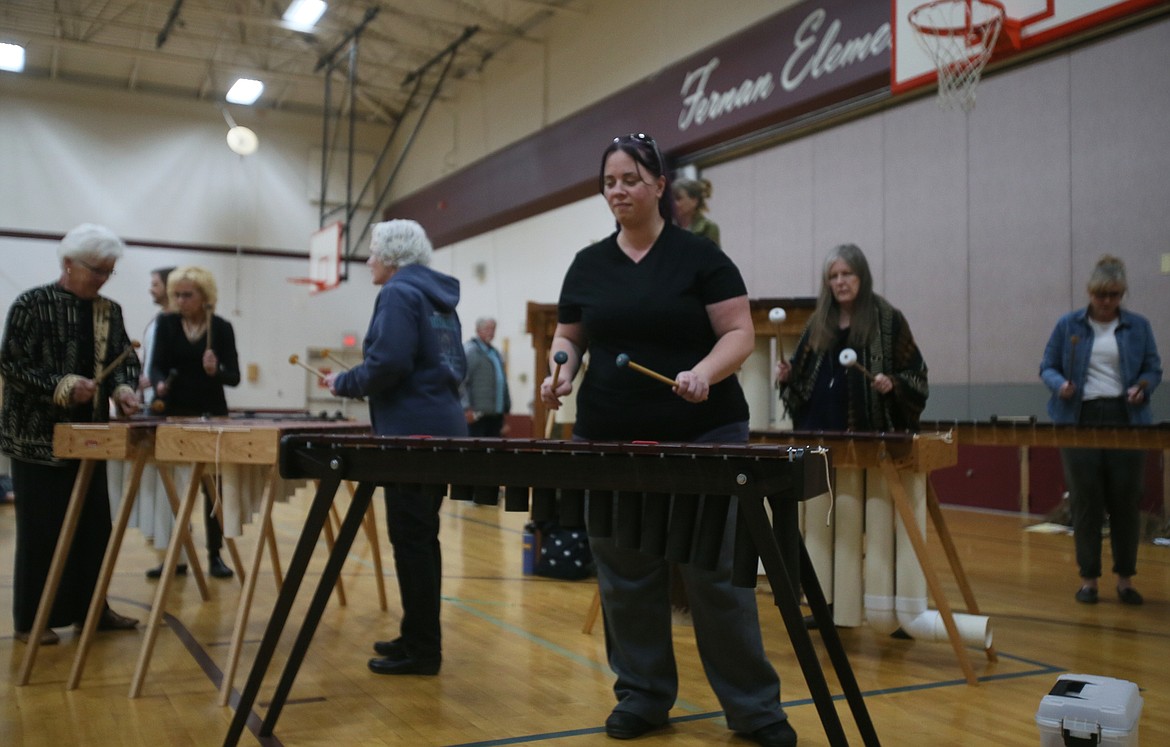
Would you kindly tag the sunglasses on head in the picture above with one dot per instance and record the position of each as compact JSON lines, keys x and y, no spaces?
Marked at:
{"x":644,"y":139}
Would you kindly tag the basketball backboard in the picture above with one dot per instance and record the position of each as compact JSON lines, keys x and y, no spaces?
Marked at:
{"x":1026,"y":24}
{"x":325,"y":258}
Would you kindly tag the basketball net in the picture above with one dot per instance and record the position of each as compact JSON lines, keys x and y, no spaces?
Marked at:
{"x":960,"y":36}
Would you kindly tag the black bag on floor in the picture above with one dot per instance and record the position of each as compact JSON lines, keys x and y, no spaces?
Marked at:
{"x":564,"y":553}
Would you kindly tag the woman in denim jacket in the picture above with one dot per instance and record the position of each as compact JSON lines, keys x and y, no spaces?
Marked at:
{"x":1102,"y":366}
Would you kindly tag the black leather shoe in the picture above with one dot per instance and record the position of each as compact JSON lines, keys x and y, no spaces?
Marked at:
{"x":779,"y":734}
{"x":216,"y":567}
{"x":1129,"y":595}
{"x":111,"y":620}
{"x":394,"y":650}
{"x":409,"y":665}
{"x":1087,"y":595}
{"x":626,"y":725}
{"x":156,"y":572}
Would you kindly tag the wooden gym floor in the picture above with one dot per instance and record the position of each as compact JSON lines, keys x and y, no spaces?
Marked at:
{"x":517,"y":668}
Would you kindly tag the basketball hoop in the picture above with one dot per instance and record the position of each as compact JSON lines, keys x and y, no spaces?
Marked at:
{"x":960,"y":37}
{"x":324,"y":259}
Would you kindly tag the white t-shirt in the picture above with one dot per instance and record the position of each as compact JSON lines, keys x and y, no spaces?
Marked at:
{"x":1104,"y":377}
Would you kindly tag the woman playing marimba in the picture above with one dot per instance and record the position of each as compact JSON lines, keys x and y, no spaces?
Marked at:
{"x":1101,"y":365}
{"x":887,"y":389}
{"x":411,"y":369}
{"x":656,"y":294}
{"x":194,"y":358}
{"x":63,"y":357}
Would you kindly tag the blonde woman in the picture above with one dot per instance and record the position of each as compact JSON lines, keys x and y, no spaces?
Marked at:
{"x":194,"y":358}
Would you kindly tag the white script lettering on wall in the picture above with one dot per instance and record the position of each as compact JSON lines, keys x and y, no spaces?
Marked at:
{"x":699,"y":106}
{"x":831,"y":55}
{"x":813,"y":55}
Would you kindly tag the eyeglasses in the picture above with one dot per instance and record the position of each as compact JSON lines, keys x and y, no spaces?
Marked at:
{"x":1108,"y":295}
{"x":101,"y":272}
{"x":644,"y":139}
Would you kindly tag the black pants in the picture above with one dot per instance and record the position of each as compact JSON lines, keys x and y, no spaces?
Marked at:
{"x":488,"y":426}
{"x":211,"y":524}
{"x":413,"y":524}
{"x":1100,"y":482}
{"x":42,"y":497}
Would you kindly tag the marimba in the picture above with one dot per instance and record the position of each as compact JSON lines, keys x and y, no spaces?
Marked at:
{"x":127,"y":440}
{"x":1025,"y":433}
{"x":896,"y":456}
{"x":216,"y":443}
{"x":667,"y":499}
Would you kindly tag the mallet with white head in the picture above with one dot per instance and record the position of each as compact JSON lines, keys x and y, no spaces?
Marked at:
{"x":848,"y":359}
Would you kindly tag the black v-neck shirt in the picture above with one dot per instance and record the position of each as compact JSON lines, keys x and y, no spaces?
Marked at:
{"x":654,"y":311}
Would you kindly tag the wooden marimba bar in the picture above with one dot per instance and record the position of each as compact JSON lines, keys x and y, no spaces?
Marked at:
{"x":655,"y":497}
{"x":1025,"y":433}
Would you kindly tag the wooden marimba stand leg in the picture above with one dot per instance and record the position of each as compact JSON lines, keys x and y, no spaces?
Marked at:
{"x":57,"y":565}
{"x":918,"y":541}
{"x":107,"y":571}
{"x":179,"y":536}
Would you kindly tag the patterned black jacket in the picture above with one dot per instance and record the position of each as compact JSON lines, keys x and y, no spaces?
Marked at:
{"x":45,"y":351}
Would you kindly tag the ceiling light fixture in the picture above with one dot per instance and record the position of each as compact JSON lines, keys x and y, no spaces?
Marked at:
{"x":11,"y":57}
{"x":304,"y":14}
{"x":245,"y":91}
{"x":239,"y":138}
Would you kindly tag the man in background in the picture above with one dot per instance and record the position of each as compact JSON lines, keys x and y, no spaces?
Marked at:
{"x":485,"y":389}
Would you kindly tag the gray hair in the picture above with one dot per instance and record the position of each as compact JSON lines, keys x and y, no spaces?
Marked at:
{"x":398,"y":243}
{"x":90,"y":240}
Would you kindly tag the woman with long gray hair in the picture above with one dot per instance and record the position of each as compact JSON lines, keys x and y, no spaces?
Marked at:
{"x":885,"y":388}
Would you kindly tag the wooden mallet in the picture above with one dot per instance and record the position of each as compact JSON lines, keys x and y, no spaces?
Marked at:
{"x":848,"y":359}
{"x":104,"y":372}
{"x":159,"y":404}
{"x":327,"y":353}
{"x":296,"y":361}
{"x":623,"y":360}
{"x":210,"y":312}
{"x":560,"y":358}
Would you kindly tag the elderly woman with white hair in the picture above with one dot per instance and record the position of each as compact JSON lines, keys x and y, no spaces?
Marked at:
{"x":58,"y":340}
{"x":413,"y":363}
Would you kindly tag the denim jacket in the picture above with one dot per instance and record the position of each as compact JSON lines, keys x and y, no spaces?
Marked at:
{"x":1066,"y":357}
